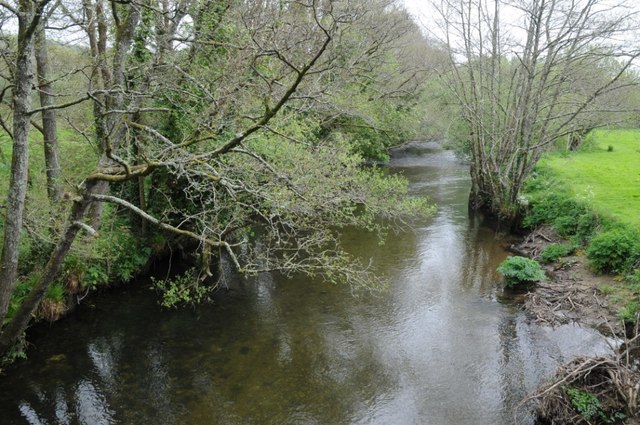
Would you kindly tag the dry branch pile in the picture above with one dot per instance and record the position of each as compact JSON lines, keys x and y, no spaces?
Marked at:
{"x":594,"y":390}
{"x":571,"y":294}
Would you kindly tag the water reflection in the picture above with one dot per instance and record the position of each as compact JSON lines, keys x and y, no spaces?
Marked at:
{"x":436,"y":348}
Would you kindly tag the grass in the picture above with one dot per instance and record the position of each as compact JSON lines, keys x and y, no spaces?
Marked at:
{"x":77,"y":159}
{"x":604,"y":176}
{"x":608,"y":180}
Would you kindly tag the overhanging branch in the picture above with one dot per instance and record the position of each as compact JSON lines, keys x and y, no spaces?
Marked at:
{"x":164,"y":226}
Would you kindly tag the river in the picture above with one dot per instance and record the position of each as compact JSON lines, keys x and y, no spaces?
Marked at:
{"x":442,"y":345}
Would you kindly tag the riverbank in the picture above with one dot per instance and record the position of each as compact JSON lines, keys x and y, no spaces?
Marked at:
{"x":589,"y":389}
{"x":572,"y":293}
{"x":583,"y":219}
{"x":583,"y":212}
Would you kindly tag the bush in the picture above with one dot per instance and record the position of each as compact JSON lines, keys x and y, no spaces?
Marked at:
{"x":585,"y":403}
{"x":555,"y":251}
{"x":629,"y":313}
{"x":614,"y":251}
{"x":568,"y":217}
{"x":184,"y":289}
{"x":517,"y":270}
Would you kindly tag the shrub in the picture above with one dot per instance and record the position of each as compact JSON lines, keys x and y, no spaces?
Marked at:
{"x":555,"y":251}
{"x":629,"y":313}
{"x":568,"y":216}
{"x":184,"y":289}
{"x":614,"y":251}
{"x":585,"y":403}
{"x":586,"y":225}
{"x":56,"y":292}
{"x":517,"y":270}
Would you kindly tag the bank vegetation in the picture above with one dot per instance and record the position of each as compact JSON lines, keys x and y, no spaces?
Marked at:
{"x":239,"y":131}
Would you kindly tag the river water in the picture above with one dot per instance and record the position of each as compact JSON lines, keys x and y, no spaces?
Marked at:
{"x":442,"y":345}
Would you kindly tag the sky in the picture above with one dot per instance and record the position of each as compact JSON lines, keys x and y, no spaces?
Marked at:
{"x":512,"y":20}
{"x":419,"y":8}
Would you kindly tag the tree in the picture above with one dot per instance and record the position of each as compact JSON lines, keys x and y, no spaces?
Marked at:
{"x":29,"y":14}
{"x":525,"y":81}
{"x":210,"y":117}
{"x":49,"y":127}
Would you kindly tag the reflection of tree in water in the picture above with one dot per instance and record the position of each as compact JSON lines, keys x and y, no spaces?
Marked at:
{"x":482,"y":255}
{"x":84,"y":399}
{"x":293,"y":361}
{"x":261,"y":353}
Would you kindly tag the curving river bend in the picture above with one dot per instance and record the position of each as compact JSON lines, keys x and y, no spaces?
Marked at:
{"x":439,"y":347}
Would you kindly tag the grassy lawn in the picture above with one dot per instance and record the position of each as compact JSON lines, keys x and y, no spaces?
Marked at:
{"x":608,"y":180}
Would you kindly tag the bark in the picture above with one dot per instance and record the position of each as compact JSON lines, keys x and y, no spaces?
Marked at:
{"x":49,"y":126}
{"x":81,"y":208}
{"x":115,"y":82}
{"x":28,"y":17}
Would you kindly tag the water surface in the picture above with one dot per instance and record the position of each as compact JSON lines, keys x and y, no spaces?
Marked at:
{"x":440,"y":346}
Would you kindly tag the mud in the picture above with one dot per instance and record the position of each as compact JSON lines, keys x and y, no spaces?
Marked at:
{"x":572,"y":292}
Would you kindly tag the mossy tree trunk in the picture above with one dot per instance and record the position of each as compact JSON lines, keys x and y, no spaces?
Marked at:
{"x":49,"y":124}
{"x":29,"y":14}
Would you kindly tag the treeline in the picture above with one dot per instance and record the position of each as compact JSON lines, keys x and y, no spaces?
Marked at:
{"x":239,"y":129}
{"x":526,"y":75}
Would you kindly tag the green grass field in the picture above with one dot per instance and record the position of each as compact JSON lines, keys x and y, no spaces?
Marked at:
{"x":608,"y":180}
{"x":77,"y":158}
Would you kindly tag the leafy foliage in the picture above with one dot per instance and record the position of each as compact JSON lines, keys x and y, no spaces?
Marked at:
{"x":518,"y":270}
{"x":568,"y":216}
{"x":248,"y":138}
{"x":614,"y":251}
{"x":629,"y":312}
{"x":586,"y":403}
{"x":554,"y":251}
{"x":183,"y":289}
{"x":589,"y":406}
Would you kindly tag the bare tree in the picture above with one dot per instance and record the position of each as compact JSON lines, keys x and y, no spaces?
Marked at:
{"x":524,"y":81}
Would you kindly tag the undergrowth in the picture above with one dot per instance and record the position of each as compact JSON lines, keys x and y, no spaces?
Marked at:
{"x":611,"y":245}
{"x":521,"y":270}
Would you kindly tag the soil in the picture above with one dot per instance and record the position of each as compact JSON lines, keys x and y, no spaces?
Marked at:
{"x":571,"y":293}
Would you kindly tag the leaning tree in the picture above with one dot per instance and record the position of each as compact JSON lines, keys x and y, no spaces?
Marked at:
{"x":208,"y":109}
{"x":526,"y":73}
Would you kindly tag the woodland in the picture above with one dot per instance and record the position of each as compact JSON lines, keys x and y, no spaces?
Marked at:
{"x":248,"y":133}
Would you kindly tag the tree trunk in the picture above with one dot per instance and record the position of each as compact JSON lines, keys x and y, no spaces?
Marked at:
{"x":23,"y":83}
{"x":50,"y":132}
{"x":21,"y":318}
{"x":116,"y":81}
{"x":81,"y":208}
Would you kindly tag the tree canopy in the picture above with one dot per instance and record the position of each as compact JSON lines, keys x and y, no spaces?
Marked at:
{"x":528,"y":73}
{"x":238,"y":128}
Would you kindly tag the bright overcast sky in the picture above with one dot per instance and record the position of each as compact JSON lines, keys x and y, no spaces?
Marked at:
{"x":418,"y":8}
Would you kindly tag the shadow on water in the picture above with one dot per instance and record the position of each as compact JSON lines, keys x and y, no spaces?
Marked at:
{"x":438,"y":347}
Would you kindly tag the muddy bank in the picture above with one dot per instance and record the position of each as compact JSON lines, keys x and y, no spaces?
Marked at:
{"x":572,"y":292}
{"x":588,"y":390}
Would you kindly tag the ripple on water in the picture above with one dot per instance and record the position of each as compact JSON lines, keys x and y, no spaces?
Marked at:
{"x":438,"y":347}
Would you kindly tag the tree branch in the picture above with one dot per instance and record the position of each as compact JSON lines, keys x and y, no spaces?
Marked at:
{"x":175,"y":230}
{"x":62,"y":106}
